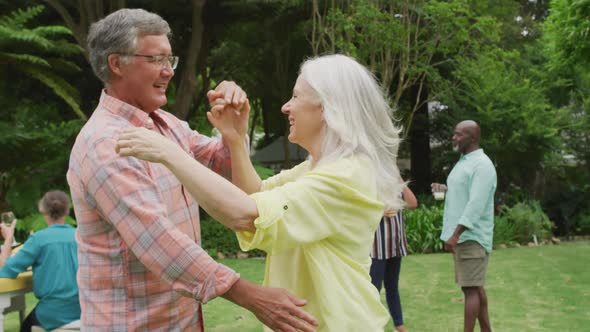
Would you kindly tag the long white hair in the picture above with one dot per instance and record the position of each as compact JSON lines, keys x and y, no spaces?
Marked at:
{"x":358,"y":118}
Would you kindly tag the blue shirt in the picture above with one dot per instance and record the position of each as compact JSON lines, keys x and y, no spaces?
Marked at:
{"x":469,"y":200}
{"x":52,"y":252}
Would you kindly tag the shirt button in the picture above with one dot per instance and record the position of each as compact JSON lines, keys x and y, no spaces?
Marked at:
{"x":285,"y":207}
{"x":149,"y":123}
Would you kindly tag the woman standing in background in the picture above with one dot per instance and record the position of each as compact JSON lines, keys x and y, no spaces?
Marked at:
{"x":389,"y":247}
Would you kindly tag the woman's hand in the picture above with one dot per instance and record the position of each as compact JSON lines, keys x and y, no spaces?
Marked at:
{"x":145,"y":144}
{"x":229,"y":112}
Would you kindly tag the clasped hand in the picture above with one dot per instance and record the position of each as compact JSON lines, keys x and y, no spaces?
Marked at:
{"x":226,"y":101}
{"x":229,"y":112}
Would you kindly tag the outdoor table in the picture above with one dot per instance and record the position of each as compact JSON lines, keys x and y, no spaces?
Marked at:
{"x":12,"y":294}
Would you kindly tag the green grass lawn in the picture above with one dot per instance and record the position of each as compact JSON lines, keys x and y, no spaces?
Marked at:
{"x":529,"y":289}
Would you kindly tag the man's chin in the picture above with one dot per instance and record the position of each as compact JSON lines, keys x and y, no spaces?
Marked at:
{"x":455,"y":148}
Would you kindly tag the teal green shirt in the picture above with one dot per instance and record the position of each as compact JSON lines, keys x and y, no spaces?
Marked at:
{"x":52,"y":252}
{"x":469,"y":200}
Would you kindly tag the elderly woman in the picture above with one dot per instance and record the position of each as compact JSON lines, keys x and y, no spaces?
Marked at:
{"x":52,"y":252}
{"x":317,"y":220}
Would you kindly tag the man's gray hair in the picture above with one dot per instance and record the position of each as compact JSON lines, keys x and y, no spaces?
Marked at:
{"x":358,"y":119}
{"x":118,"y":33}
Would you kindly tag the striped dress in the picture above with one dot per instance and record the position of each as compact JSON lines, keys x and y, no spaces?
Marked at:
{"x":390,"y":238}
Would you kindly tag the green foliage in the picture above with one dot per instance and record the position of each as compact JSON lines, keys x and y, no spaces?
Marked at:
{"x":524,"y":220}
{"x":423,"y":229}
{"x":37,"y":141}
{"x":216,"y":238}
{"x":39,"y":53}
{"x":582,"y":222}
{"x":406,"y":44}
{"x":263,"y":172}
{"x":519,"y":127}
{"x":504,"y":231}
{"x":567,"y":32}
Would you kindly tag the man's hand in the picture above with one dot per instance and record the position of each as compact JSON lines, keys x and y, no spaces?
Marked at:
{"x":231,"y":123}
{"x":451,"y":244}
{"x":230,"y":92}
{"x":274,"y":307}
{"x":438,"y":187}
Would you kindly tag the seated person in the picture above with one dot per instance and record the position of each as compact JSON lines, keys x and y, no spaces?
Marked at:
{"x":52,"y":252}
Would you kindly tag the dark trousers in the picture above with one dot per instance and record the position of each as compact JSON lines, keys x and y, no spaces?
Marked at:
{"x":28,"y":323}
{"x":386,"y":271}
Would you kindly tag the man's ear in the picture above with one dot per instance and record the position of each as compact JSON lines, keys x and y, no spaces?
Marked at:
{"x":114,"y":63}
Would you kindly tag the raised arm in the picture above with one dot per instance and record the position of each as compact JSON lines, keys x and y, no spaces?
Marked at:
{"x":224,"y":201}
{"x":233,"y":126}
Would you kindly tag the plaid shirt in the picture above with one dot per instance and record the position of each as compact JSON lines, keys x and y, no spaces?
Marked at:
{"x":141,"y":266}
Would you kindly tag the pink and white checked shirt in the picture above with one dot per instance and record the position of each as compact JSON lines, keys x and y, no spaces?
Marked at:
{"x":141,"y":266}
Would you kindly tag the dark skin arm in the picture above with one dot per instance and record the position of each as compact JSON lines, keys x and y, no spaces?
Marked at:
{"x":451,"y":243}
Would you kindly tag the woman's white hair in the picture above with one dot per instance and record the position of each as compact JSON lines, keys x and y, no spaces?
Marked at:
{"x":358,"y":118}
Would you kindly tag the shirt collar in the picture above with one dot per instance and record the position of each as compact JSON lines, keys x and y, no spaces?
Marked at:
{"x":61,"y":226}
{"x":133,"y":114}
{"x":472,"y":154}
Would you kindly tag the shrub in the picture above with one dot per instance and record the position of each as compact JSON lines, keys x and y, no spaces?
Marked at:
{"x":504,"y":232}
{"x":423,"y":228}
{"x":582,"y":222}
{"x":216,"y":238}
{"x":526,"y":219}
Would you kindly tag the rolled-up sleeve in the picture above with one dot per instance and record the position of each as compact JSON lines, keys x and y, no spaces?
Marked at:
{"x":483,"y":185}
{"x":308,"y":210}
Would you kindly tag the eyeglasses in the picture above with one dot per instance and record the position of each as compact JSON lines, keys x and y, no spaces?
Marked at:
{"x":161,"y":60}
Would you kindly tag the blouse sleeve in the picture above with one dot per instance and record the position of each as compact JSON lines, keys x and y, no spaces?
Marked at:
{"x":328,"y":202}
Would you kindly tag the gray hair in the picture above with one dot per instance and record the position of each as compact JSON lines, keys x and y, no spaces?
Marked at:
{"x":55,"y":204}
{"x":358,"y":118}
{"x":118,"y":33}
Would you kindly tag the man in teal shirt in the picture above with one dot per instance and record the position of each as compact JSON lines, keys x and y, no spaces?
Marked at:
{"x":468,"y":220}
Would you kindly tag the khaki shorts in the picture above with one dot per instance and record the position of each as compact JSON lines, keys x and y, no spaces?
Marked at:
{"x":471,"y":263}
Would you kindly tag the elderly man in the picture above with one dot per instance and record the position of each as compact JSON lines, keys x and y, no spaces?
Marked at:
{"x":141,"y":267}
{"x":468,"y":221}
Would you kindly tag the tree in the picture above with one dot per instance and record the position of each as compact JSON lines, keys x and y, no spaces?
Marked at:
{"x":411,"y":46}
{"x":41,"y":53}
{"x":188,"y":32}
{"x":520,"y":129}
{"x":567,"y":32}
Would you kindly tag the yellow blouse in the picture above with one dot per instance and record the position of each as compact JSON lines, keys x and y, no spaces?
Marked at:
{"x":317,"y":226}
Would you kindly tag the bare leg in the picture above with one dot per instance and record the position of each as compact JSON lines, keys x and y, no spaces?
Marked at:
{"x":471,"y":295}
{"x":484,"y":319}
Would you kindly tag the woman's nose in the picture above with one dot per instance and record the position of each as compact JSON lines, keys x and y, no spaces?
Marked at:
{"x":285,"y":108}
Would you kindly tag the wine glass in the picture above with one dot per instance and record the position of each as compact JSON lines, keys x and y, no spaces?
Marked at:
{"x":8,"y":217}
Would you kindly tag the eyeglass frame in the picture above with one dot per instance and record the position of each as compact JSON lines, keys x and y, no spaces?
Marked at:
{"x":158,"y":59}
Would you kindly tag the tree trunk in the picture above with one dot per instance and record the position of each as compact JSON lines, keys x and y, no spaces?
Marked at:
{"x":420,"y":147}
{"x":88,"y":13}
{"x":188,"y":79}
